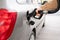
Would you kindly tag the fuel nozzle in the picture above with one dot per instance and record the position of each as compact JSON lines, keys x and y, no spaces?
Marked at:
{"x":33,"y":14}
{"x":29,"y":15}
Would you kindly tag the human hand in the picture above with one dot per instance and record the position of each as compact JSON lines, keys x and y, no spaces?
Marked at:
{"x":37,"y":11}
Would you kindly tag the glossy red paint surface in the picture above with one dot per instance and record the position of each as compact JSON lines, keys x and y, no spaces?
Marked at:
{"x":7,"y":22}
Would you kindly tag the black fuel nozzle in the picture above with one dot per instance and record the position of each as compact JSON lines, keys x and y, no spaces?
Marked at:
{"x":41,"y":14}
{"x":33,"y":14}
{"x":40,"y":11}
{"x":29,"y":15}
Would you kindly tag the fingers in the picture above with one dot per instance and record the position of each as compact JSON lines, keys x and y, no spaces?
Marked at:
{"x":36,"y":11}
{"x":37,"y":14}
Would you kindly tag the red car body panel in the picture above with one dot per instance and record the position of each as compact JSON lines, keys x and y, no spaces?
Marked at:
{"x":7,"y":22}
